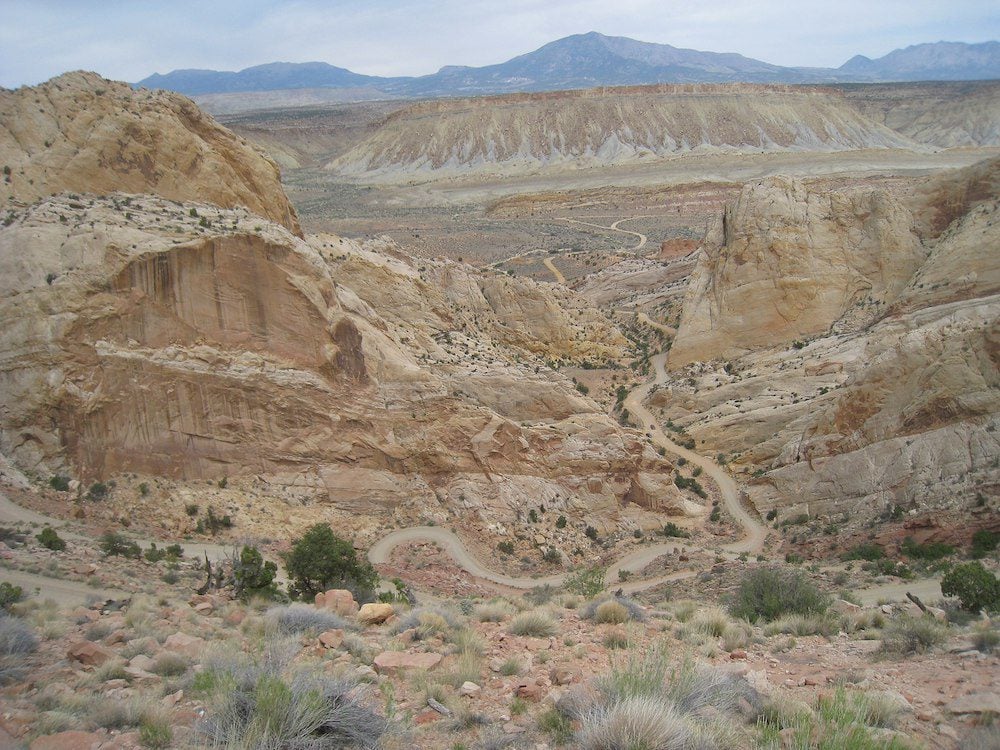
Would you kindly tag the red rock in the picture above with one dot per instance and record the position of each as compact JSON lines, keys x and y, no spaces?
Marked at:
{"x":74,"y":740}
{"x":528,"y":692}
{"x":339,"y":601}
{"x":737,"y":654}
{"x":392,"y":662}
{"x":331,"y":638}
{"x":427,"y":716}
{"x":188,"y":645}
{"x":88,"y":653}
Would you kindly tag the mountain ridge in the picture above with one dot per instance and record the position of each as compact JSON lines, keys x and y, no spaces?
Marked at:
{"x":593,"y":59}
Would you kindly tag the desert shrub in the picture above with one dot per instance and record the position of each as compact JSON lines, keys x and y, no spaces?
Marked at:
{"x":59,"y":483}
{"x":672,"y":529}
{"x":801,"y":625}
{"x":9,"y":595}
{"x":976,"y":588}
{"x":556,"y":725}
{"x":506,"y":547}
{"x":169,"y":664}
{"x":533,"y":623}
{"x":300,"y":618}
{"x":711,"y":621}
{"x":541,"y":594}
{"x":913,"y":635}
{"x":631,"y":610}
{"x":265,"y":706}
{"x":640,"y":722}
{"x":984,"y":541}
{"x":588,"y":582}
{"x":98,"y":491}
{"x":427,"y":621}
{"x":927,"y":551}
{"x":17,"y":640}
{"x":113,"y":544}
{"x":253,"y":575}
{"x":49,"y":539}
{"x":770,"y":592}
{"x":511,"y":667}
{"x":493,"y":612}
{"x":591,"y":533}
{"x":986,"y":637}
{"x":616,"y":638}
{"x":320,"y":560}
{"x":610,"y":612}
{"x":736,"y":635}
{"x":640,"y":674}
{"x":155,"y":733}
{"x":551,"y":555}
{"x":869,"y":552}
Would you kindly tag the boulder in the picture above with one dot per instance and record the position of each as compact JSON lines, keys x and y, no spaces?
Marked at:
{"x":89,"y":653}
{"x":374,"y":613}
{"x":182,"y":643}
{"x":976,"y":703}
{"x":331,"y":638}
{"x":73,"y":740}
{"x":469,"y":689}
{"x":393,"y":662}
{"x":338,"y":601}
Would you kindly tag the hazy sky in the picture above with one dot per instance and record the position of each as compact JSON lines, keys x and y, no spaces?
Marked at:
{"x":130,"y":39}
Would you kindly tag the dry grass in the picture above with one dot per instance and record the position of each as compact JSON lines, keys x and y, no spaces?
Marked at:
{"x":535,"y":623}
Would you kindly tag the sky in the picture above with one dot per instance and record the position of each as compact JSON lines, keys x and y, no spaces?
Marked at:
{"x":129,"y":40}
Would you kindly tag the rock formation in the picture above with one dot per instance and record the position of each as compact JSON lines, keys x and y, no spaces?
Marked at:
{"x":82,"y":133}
{"x":849,"y":407}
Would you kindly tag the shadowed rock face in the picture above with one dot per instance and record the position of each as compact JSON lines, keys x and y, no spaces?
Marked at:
{"x":82,"y":133}
{"x":893,"y":403}
{"x":139,"y":341}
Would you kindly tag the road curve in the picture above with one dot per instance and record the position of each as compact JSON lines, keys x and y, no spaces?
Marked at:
{"x":612,"y":227}
{"x":555,"y":271}
{"x":752,"y":541}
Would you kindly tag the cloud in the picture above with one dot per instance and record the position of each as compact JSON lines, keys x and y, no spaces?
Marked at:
{"x":130,"y":40}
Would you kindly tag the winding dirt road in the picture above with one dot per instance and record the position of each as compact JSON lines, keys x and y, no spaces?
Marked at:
{"x":613,"y":227}
{"x":560,"y":279}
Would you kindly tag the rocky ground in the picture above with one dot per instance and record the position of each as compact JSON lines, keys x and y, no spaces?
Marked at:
{"x":468,"y":668}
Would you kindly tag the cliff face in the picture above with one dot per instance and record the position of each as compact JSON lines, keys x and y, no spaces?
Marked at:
{"x":82,"y":133}
{"x":784,"y":263}
{"x":139,"y":340}
{"x":893,"y":401}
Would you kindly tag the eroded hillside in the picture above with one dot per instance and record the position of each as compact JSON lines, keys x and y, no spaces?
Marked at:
{"x":610,"y":126}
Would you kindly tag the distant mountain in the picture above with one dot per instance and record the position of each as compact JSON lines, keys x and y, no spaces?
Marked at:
{"x":942,"y":61}
{"x":588,"y":60}
{"x":269,"y":77}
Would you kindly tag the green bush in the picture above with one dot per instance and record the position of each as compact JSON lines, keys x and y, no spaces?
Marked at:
{"x":984,"y":541}
{"x":59,"y":483}
{"x":913,"y":635}
{"x":320,"y":560}
{"x":506,"y":546}
{"x":253,"y":575}
{"x":49,"y":539}
{"x":587,"y":582}
{"x":98,"y":491}
{"x":771,"y":592}
{"x":926,"y":551}
{"x":113,"y":544}
{"x":9,"y":594}
{"x":561,"y":522}
{"x":976,"y":588}
{"x":591,"y":533}
{"x":672,"y":529}
{"x":870,"y":552}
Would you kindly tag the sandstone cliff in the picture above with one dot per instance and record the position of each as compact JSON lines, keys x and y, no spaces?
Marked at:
{"x":82,"y":133}
{"x":785,"y":263}
{"x":852,"y":410}
{"x":140,"y":338}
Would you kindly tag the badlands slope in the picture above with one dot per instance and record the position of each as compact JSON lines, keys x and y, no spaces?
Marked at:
{"x":602,"y":127}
